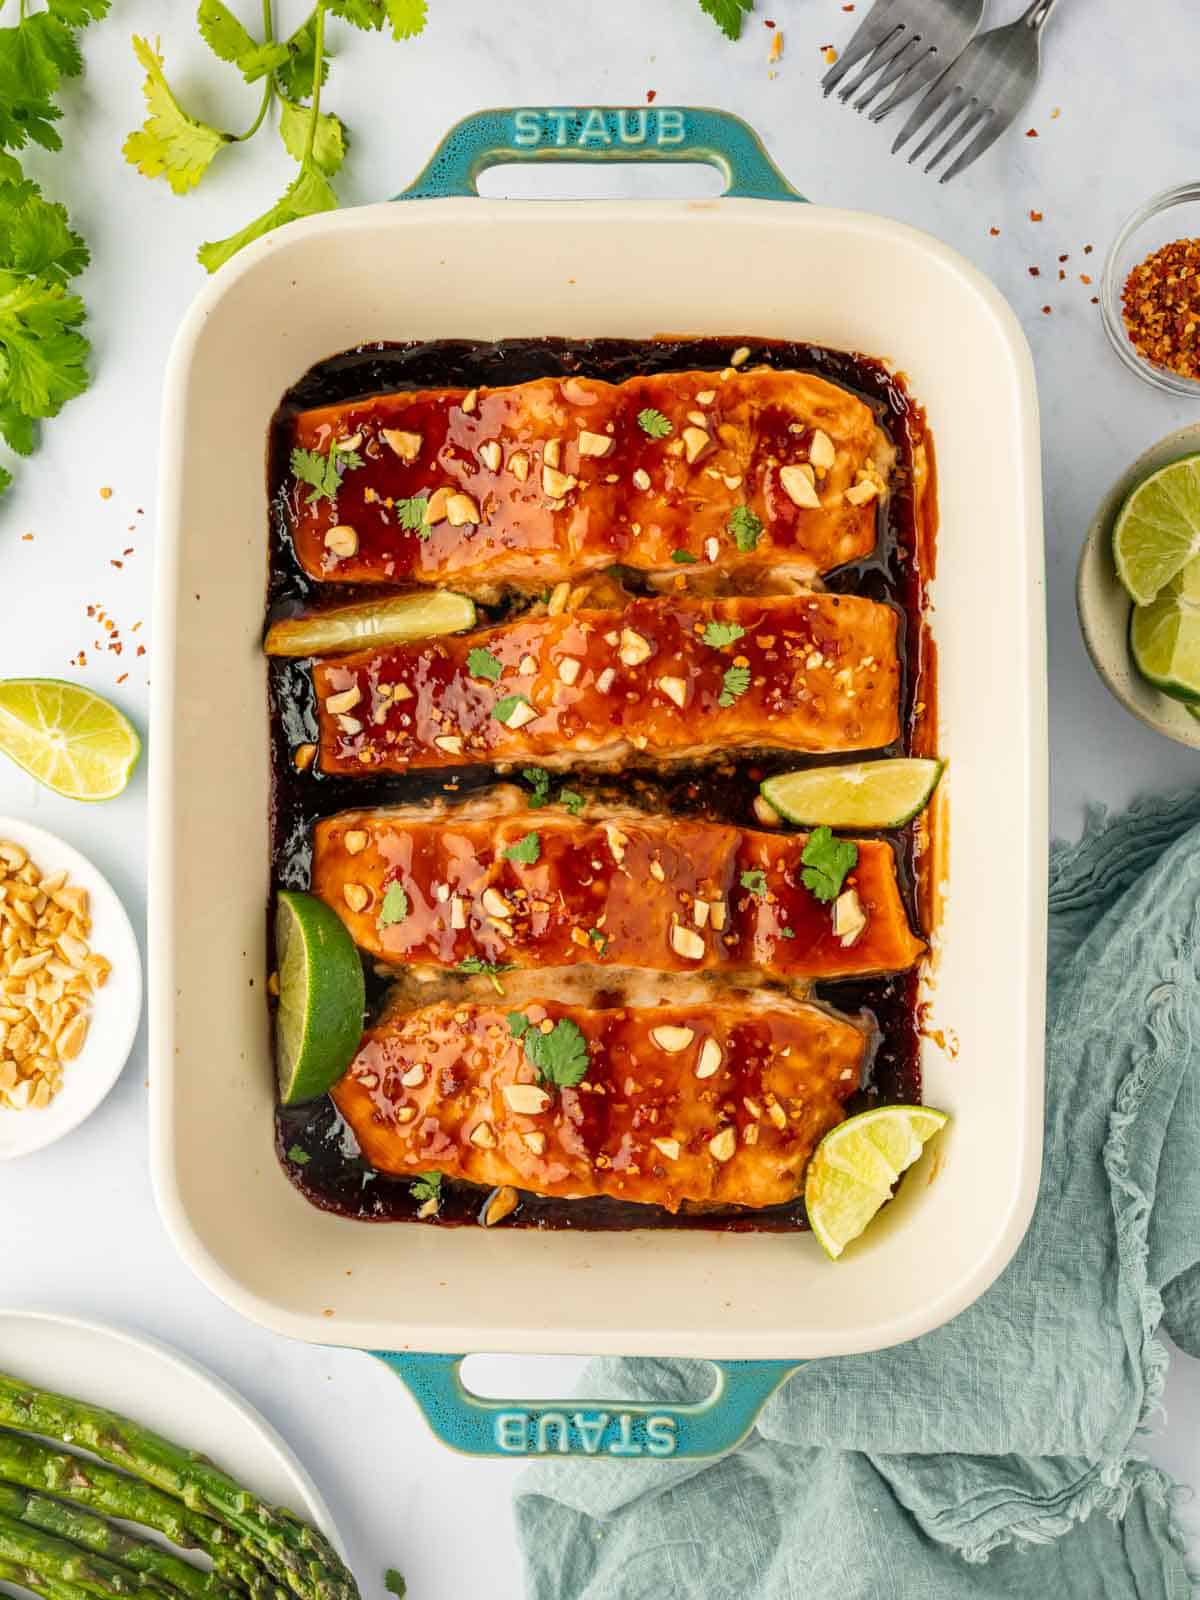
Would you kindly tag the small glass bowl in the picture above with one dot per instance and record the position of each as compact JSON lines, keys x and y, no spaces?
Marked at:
{"x":1173,"y":214}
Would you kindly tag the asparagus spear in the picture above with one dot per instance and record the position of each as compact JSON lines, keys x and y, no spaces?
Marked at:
{"x":158,"y":1566}
{"x":37,"y":1583}
{"x":36,"y":1466}
{"x":290,"y":1549}
{"x":57,"y":1559}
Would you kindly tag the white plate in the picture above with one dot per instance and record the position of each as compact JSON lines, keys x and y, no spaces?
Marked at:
{"x":164,"y":1390}
{"x":115,"y":1009}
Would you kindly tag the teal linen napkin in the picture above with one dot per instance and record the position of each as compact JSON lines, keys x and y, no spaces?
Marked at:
{"x":995,"y":1456}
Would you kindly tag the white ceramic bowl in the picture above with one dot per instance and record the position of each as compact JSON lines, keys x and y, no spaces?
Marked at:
{"x":1105,"y":606}
{"x":115,"y":1011}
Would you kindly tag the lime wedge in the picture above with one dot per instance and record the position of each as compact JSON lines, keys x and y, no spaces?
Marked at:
{"x":856,"y":1166}
{"x":864,"y":794}
{"x":1164,"y":636}
{"x":376,"y":622}
{"x":1158,"y":528}
{"x":321,"y":997}
{"x":67,"y":737}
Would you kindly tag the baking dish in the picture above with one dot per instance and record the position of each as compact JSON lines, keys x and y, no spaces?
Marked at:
{"x":449,"y":264}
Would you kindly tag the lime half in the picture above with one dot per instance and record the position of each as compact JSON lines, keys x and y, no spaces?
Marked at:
{"x":864,"y":794}
{"x":1164,"y":636}
{"x":372,"y":624}
{"x":321,"y":997}
{"x":1157,"y":530}
{"x":68,"y":738}
{"x":856,"y":1166}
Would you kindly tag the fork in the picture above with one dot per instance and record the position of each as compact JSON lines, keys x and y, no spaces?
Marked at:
{"x":990,"y":82}
{"x":904,"y":45}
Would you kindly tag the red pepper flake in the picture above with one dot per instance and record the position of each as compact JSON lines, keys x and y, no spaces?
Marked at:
{"x":1161,"y":303}
{"x":1046,"y":311}
{"x":1095,"y":299}
{"x":128,"y":552}
{"x":1062,"y":277}
{"x":1031,"y":133}
{"x":995,"y":232}
{"x":1087,"y":249}
{"x":768,"y":22}
{"x":847,"y":8}
{"x":1035,"y":272}
{"x":829,"y":53}
{"x":1084,"y":278}
{"x":1065,"y":257}
{"x":651,"y":96}
{"x":1035,"y":216}
{"x":117,"y":564}
{"x":141,"y":650}
{"x":27,"y":538}
{"x":122,"y":678}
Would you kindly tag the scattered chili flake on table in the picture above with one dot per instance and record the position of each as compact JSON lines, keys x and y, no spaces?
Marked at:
{"x":1161,"y":302}
{"x":1035,"y":216}
{"x":1035,"y":272}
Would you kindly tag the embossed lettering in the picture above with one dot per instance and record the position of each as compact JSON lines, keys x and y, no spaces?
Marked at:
{"x":558,"y":121}
{"x":512,"y":1428}
{"x":527,"y":128}
{"x":624,"y":1444}
{"x":635,"y":133}
{"x":670,"y":126}
{"x":548,"y":1422}
{"x":660,"y":1436}
{"x":594,"y":130}
{"x":590,"y":1430}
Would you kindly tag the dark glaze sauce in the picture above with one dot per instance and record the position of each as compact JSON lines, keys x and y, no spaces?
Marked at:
{"x":316,"y":1146}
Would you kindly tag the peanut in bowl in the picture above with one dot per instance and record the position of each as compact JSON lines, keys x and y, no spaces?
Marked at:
{"x":70,"y":988}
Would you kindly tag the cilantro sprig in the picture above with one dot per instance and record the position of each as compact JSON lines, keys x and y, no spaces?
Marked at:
{"x":526,"y":850}
{"x":733,"y":686}
{"x":323,"y":470}
{"x":745,"y":527}
{"x":719,"y":634}
{"x":426,"y":1186}
{"x":483,"y":664}
{"x":491,"y":970}
{"x":754,"y":879}
{"x":179,"y":147}
{"x":827,"y":861}
{"x":395,"y":906}
{"x":654,"y":424}
{"x":559,"y":1057}
{"x":43,"y":353}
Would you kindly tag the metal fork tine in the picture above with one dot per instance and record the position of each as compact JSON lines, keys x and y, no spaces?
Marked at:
{"x":880,"y":57}
{"x":983,"y":140}
{"x":961,"y":130}
{"x":903,"y":60}
{"x":930,"y":102}
{"x":953,"y":109}
{"x":872,"y":31}
{"x":916,"y":78}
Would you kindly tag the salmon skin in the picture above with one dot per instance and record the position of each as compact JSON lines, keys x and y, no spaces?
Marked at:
{"x":660,"y":1102}
{"x":548,"y":480}
{"x":493,"y":882}
{"x":663,"y":680}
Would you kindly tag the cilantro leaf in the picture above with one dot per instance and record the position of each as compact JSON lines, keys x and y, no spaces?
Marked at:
{"x":323,"y":470}
{"x":309,"y":194}
{"x":506,"y":705}
{"x":485,"y":969}
{"x":826,"y":862}
{"x":425,"y":1186}
{"x":394,"y":907}
{"x":733,"y":686}
{"x":654,"y":423}
{"x":600,"y":939}
{"x":36,"y":237}
{"x":719,"y":634}
{"x":573,"y":802}
{"x":366,"y":14}
{"x":684,"y":558}
{"x":393,"y":1581}
{"x":755,"y":879}
{"x":559,"y":1057}
{"x":526,"y":850}
{"x":787,"y":933}
{"x":329,"y":141}
{"x":298,"y":1156}
{"x":540,"y":779}
{"x":407,"y":17}
{"x":483,"y":664}
{"x":169,"y":143}
{"x":728,"y":15}
{"x":228,"y":39}
{"x":411,"y":512}
{"x":295,"y":77}
{"x":78,"y":13}
{"x":42,"y":355}
{"x":745,"y":527}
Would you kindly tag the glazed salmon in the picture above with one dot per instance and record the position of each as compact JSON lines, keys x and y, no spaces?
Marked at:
{"x":491,"y":881}
{"x":661,"y":680}
{"x":670,"y":1100}
{"x":543,"y":481}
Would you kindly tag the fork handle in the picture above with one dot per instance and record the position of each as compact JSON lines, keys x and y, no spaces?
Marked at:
{"x":1038,"y":15}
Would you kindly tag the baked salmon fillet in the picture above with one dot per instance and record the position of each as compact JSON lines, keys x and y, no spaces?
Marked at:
{"x":491,"y":882}
{"x":661,"y":680}
{"x":667,"y":1102}
{"x":547,"y":480}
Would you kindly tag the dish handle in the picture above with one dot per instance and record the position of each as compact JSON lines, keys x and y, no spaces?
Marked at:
{"x":612,"y":1429}
{"x":680,"y":134}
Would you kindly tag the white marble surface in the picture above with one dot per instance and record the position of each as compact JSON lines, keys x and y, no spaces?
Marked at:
{"x":79,"y":1226}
